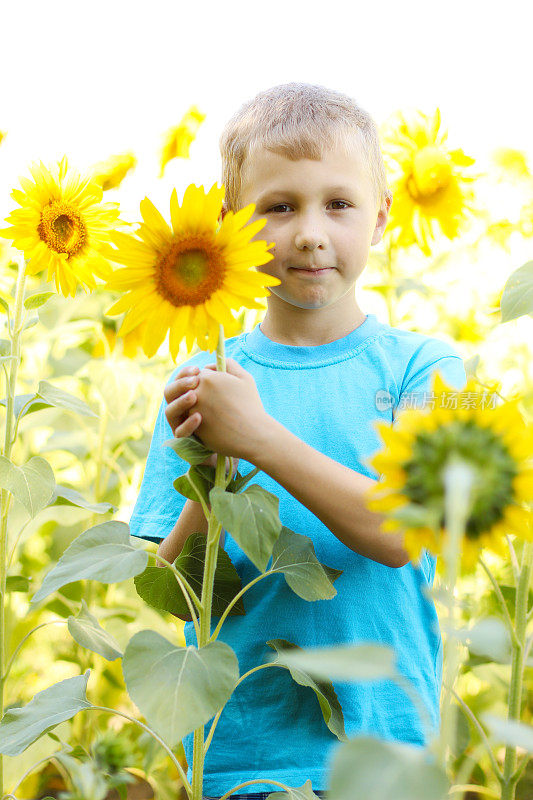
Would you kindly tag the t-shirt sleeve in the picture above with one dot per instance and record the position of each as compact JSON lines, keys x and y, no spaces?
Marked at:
{"x":433,"y":356}
{"x":158,"y":504}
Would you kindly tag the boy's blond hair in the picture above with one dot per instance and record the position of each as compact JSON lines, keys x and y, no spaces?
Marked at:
{"x":298,"y":120}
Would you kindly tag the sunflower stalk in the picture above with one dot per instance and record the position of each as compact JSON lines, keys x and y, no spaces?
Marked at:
{"x":458,"y":478}
{"x":211,"y":554}
{"x":15,"y":334}
{"x":511,"y":775}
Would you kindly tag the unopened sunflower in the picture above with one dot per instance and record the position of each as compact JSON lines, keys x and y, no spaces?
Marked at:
{"x":109,"y":174}
{"x":494,"y":440}
{"x":188,"y":278}
{"x":62,"y":226}
{"x":429,"y":183}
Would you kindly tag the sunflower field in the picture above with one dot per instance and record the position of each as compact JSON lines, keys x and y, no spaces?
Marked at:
{"x":97,"y":308}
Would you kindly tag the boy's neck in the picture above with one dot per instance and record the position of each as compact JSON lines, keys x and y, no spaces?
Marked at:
{"x":310,"y":327}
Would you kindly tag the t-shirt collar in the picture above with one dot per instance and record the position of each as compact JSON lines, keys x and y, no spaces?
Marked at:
{"x":257,"y":345}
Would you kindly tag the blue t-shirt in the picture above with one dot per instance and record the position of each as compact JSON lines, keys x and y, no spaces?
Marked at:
{"x":330,"y":396}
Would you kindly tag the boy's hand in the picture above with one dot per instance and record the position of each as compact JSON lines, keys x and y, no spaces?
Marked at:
{"x":180,"y":399}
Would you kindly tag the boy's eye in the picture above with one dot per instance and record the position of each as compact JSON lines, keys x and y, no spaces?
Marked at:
{"x":279,"y":208}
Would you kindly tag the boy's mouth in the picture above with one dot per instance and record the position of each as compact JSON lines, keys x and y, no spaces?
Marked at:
{"x":311,"y":271}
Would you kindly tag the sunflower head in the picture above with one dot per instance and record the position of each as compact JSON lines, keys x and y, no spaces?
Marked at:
{"x":494,"y":440}
{"x":429,"y":182}
{"x":62,"y":226}
{"x":188,"y":277}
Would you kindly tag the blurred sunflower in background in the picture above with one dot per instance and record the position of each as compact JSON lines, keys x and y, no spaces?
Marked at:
{"x":131,"y":343}
{"x":188,"y":278}
{"x":62,"y":226}
{"x":110,"y":173}
{"x":177,"y":140}
{"x":431,"y":187}
{"x":493,"y":439}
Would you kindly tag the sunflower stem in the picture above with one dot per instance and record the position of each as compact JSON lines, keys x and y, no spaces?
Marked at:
{"x":510,"y":774}
{"x":15,"y":335}
{"x":211,"y":554}
{"x":458,"y":478}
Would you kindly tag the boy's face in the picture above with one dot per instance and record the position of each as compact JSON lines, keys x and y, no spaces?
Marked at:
{"x":320,"y":214}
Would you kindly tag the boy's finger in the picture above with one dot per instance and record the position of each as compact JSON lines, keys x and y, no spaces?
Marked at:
{"x":189,"y":426}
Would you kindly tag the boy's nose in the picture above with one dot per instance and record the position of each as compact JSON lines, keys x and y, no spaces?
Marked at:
{"x":310,"y":240}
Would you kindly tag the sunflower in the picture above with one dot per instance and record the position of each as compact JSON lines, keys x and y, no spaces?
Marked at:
{"x":178,"y":140}
{"x":511,"y":164}
{"x":428,"y":181}
{"x":494,"y":440}
{"x":131,"y":343}
{"x":62,"y":226}
{"x":186,"y":279}
{"x":109,"y":174}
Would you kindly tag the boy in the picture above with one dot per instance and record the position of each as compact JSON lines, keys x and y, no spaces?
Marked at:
{"x":299,"y":400}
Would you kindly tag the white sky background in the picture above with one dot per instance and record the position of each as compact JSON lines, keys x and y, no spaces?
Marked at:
{"x":89,"y":79}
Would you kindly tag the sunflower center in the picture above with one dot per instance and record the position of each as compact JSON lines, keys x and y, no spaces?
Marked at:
{"x":483,"y":448}
{"x":189,"y":270}
{"x":432,"y":171}
{"x":62,"y":228}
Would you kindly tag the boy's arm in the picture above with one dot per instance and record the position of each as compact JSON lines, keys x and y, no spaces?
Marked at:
{"x":332,"y":492}
{"x":191,"y":520}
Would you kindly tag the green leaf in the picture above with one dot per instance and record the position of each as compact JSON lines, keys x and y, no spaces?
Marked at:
{"x":178,"y":689}
{"x":102,"y":553}
{"x":20,"y":727}
{"x":22,"y":399}
{"x":5,"y":347}
{"x":30,"y":323}
{"x":159,"y":588}
{"x":471,"y":365}
{"x":37,"y":300}
{"x":184,"y":487}
{"x":294,"y":556}
{"x":4,"y":305}
{"x":17,"y":583}
{"x":325,"y":693}
{"x":488,"y":637}
{"x":252,"y":518}
{"x":61,"y":399}
{"x":517,"y":297}
{"x":304,"y":792}
{"x":368,"y":767}
{"x":87,"y":631}
{"x":63,"y":495}
{"x":32,"y":484}
{"x":358,"y":662}
{"x":189,"y":448}
{"x":510,"y":732}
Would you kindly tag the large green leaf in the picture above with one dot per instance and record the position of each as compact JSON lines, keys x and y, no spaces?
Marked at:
{"x":61,"y":399}
{"x":17,"y":583}
{"x":517,"y":297}
{"x":358,"y":662}
{"x":32,"y":484}
{"x":304,"y":792}
{"x":368,"y":767}
{"x":159,"y":588}
{"x":325,"y":693}
{"x":189,"y":448}
{"x":34,"y":404}
{"x":294,"y":556}
{"x":20,"y":727}
{"x":63,"y":495}
{"x":488,"y":637}
{"x":178,"y":689}
{"x":252,"y":518}
{"x":103,"y":553}
{"x":510,"y":732}
{"x":87,"y":631}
